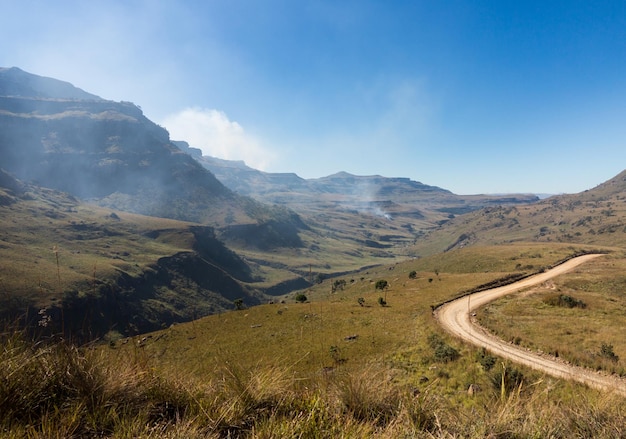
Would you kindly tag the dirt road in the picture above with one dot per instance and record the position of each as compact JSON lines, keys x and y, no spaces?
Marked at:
{"x":455,"y":317}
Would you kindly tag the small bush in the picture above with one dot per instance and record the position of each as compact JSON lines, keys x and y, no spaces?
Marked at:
{"x":301,"y":298}
{"x":606,"y":351}
{"x":382,"y":302}
{"x":338,"y":284}
{"x":381,"y":284}
{"x":486,"y":360}
{"x":565,"y":301}
{"x":444,"y":353}
{"x":413,"y":274}
{"x":238,"y":304}
{"x":361,"y":301}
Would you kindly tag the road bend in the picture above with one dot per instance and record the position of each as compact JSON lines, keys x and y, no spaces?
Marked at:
{"x":455,"y":317}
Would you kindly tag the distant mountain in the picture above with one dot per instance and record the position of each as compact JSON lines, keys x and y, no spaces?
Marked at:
{"x":596,"y":217}
{"x":140,"y":272}
{"x":419,"y":205}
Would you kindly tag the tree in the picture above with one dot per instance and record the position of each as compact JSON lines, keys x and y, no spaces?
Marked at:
{"x":238,"y":304}
{"x":381,"y":284}
{"x":413,"y":274}
{"x":338,"y":284}
{"x":361,"y":301}
{"x":382,"y":302}
{"x":301,"y":298}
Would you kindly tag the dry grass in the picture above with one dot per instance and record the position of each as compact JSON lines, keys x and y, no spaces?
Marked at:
{"x":576,"y":334}
{"x":58,"y":391}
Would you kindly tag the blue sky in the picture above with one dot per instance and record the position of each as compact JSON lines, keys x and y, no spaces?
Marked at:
{"x":472,"y":96}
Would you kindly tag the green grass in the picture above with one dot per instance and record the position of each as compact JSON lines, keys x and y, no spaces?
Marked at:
{"x":279,"y":333}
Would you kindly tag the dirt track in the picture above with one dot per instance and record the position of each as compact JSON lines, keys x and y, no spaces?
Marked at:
{"x":455,"y":318}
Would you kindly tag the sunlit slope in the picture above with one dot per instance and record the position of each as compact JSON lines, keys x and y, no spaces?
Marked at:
{"x":596,"y":216}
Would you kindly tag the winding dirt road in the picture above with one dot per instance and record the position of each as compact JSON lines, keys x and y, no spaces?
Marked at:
{"x":455,"y":318}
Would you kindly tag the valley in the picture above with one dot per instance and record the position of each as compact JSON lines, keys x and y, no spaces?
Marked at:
{"x":147,"y":290}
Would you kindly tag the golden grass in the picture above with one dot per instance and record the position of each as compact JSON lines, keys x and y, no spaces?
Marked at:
{"x":574,"y":334}
{"x":58,"y":391}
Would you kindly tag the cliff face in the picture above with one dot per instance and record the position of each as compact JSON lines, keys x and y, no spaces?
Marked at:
{"x":109,"y":153}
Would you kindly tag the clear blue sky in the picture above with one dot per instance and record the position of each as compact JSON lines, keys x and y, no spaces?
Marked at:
{"x":472,"y":96}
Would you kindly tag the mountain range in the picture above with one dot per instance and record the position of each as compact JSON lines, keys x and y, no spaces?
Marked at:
{"x":102,"y":210}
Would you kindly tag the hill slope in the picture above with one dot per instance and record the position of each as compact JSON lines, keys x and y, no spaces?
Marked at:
{"x":16,"y":82}
{"x":595,"y":216}
{"x":86,"y":270}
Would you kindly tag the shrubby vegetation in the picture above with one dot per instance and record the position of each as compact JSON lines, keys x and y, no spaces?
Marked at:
{"x":301,"y":298}
{"x":381,"y":284}
{"x":442,"y":351}
{"x":565,"y":301}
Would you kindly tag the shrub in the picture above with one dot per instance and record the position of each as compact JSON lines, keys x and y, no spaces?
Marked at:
{"x":381,"y":284}
{"x":301,"y":298}
{"x":413,"y":274}
{"x":239,"y":304}
{"x":486,"y":360}
{"x":361,"y":301}
{"x":606,"y":351}
{"x":443,"y":352}
{"x":382,"y":302}
{"x":565,"y":301}
{"x":338,"y":284}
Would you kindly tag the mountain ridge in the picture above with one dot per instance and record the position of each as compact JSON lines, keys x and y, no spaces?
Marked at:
{"x":16,"y":82}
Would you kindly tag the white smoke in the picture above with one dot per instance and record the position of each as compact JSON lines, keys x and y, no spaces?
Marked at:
{"x":364,"y":192}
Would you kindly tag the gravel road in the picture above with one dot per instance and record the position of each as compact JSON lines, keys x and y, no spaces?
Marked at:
{"x":455,"y":317}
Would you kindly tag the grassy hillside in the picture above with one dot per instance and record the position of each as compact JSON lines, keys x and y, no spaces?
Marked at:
{"x":596,"y":216}
{"x":92,"y":270}
{"x":303,"y":333}
{"x":329,"y":367}
{"x":578,"y":318}
{"x":64,"y":258}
